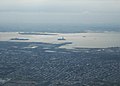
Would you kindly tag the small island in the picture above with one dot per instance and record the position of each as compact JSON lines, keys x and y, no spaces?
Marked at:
{"x":61,"y":38}
{"x":19,"y":39}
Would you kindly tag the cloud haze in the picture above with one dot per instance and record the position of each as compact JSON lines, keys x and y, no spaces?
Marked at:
{"x":60,"y":11}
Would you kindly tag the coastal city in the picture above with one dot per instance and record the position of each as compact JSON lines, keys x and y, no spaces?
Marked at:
{"x":45,"y":64}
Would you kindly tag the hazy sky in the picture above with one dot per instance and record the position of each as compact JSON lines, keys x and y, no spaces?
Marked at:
{"x":60,"y":11}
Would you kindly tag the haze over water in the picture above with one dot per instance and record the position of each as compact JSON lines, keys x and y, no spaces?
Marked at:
{"x":37,"y":15}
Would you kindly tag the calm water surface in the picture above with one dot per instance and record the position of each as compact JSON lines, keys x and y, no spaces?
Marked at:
{"x":87,"y":40}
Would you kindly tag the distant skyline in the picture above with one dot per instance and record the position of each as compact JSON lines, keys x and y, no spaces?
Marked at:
{"x":60,"y":11}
